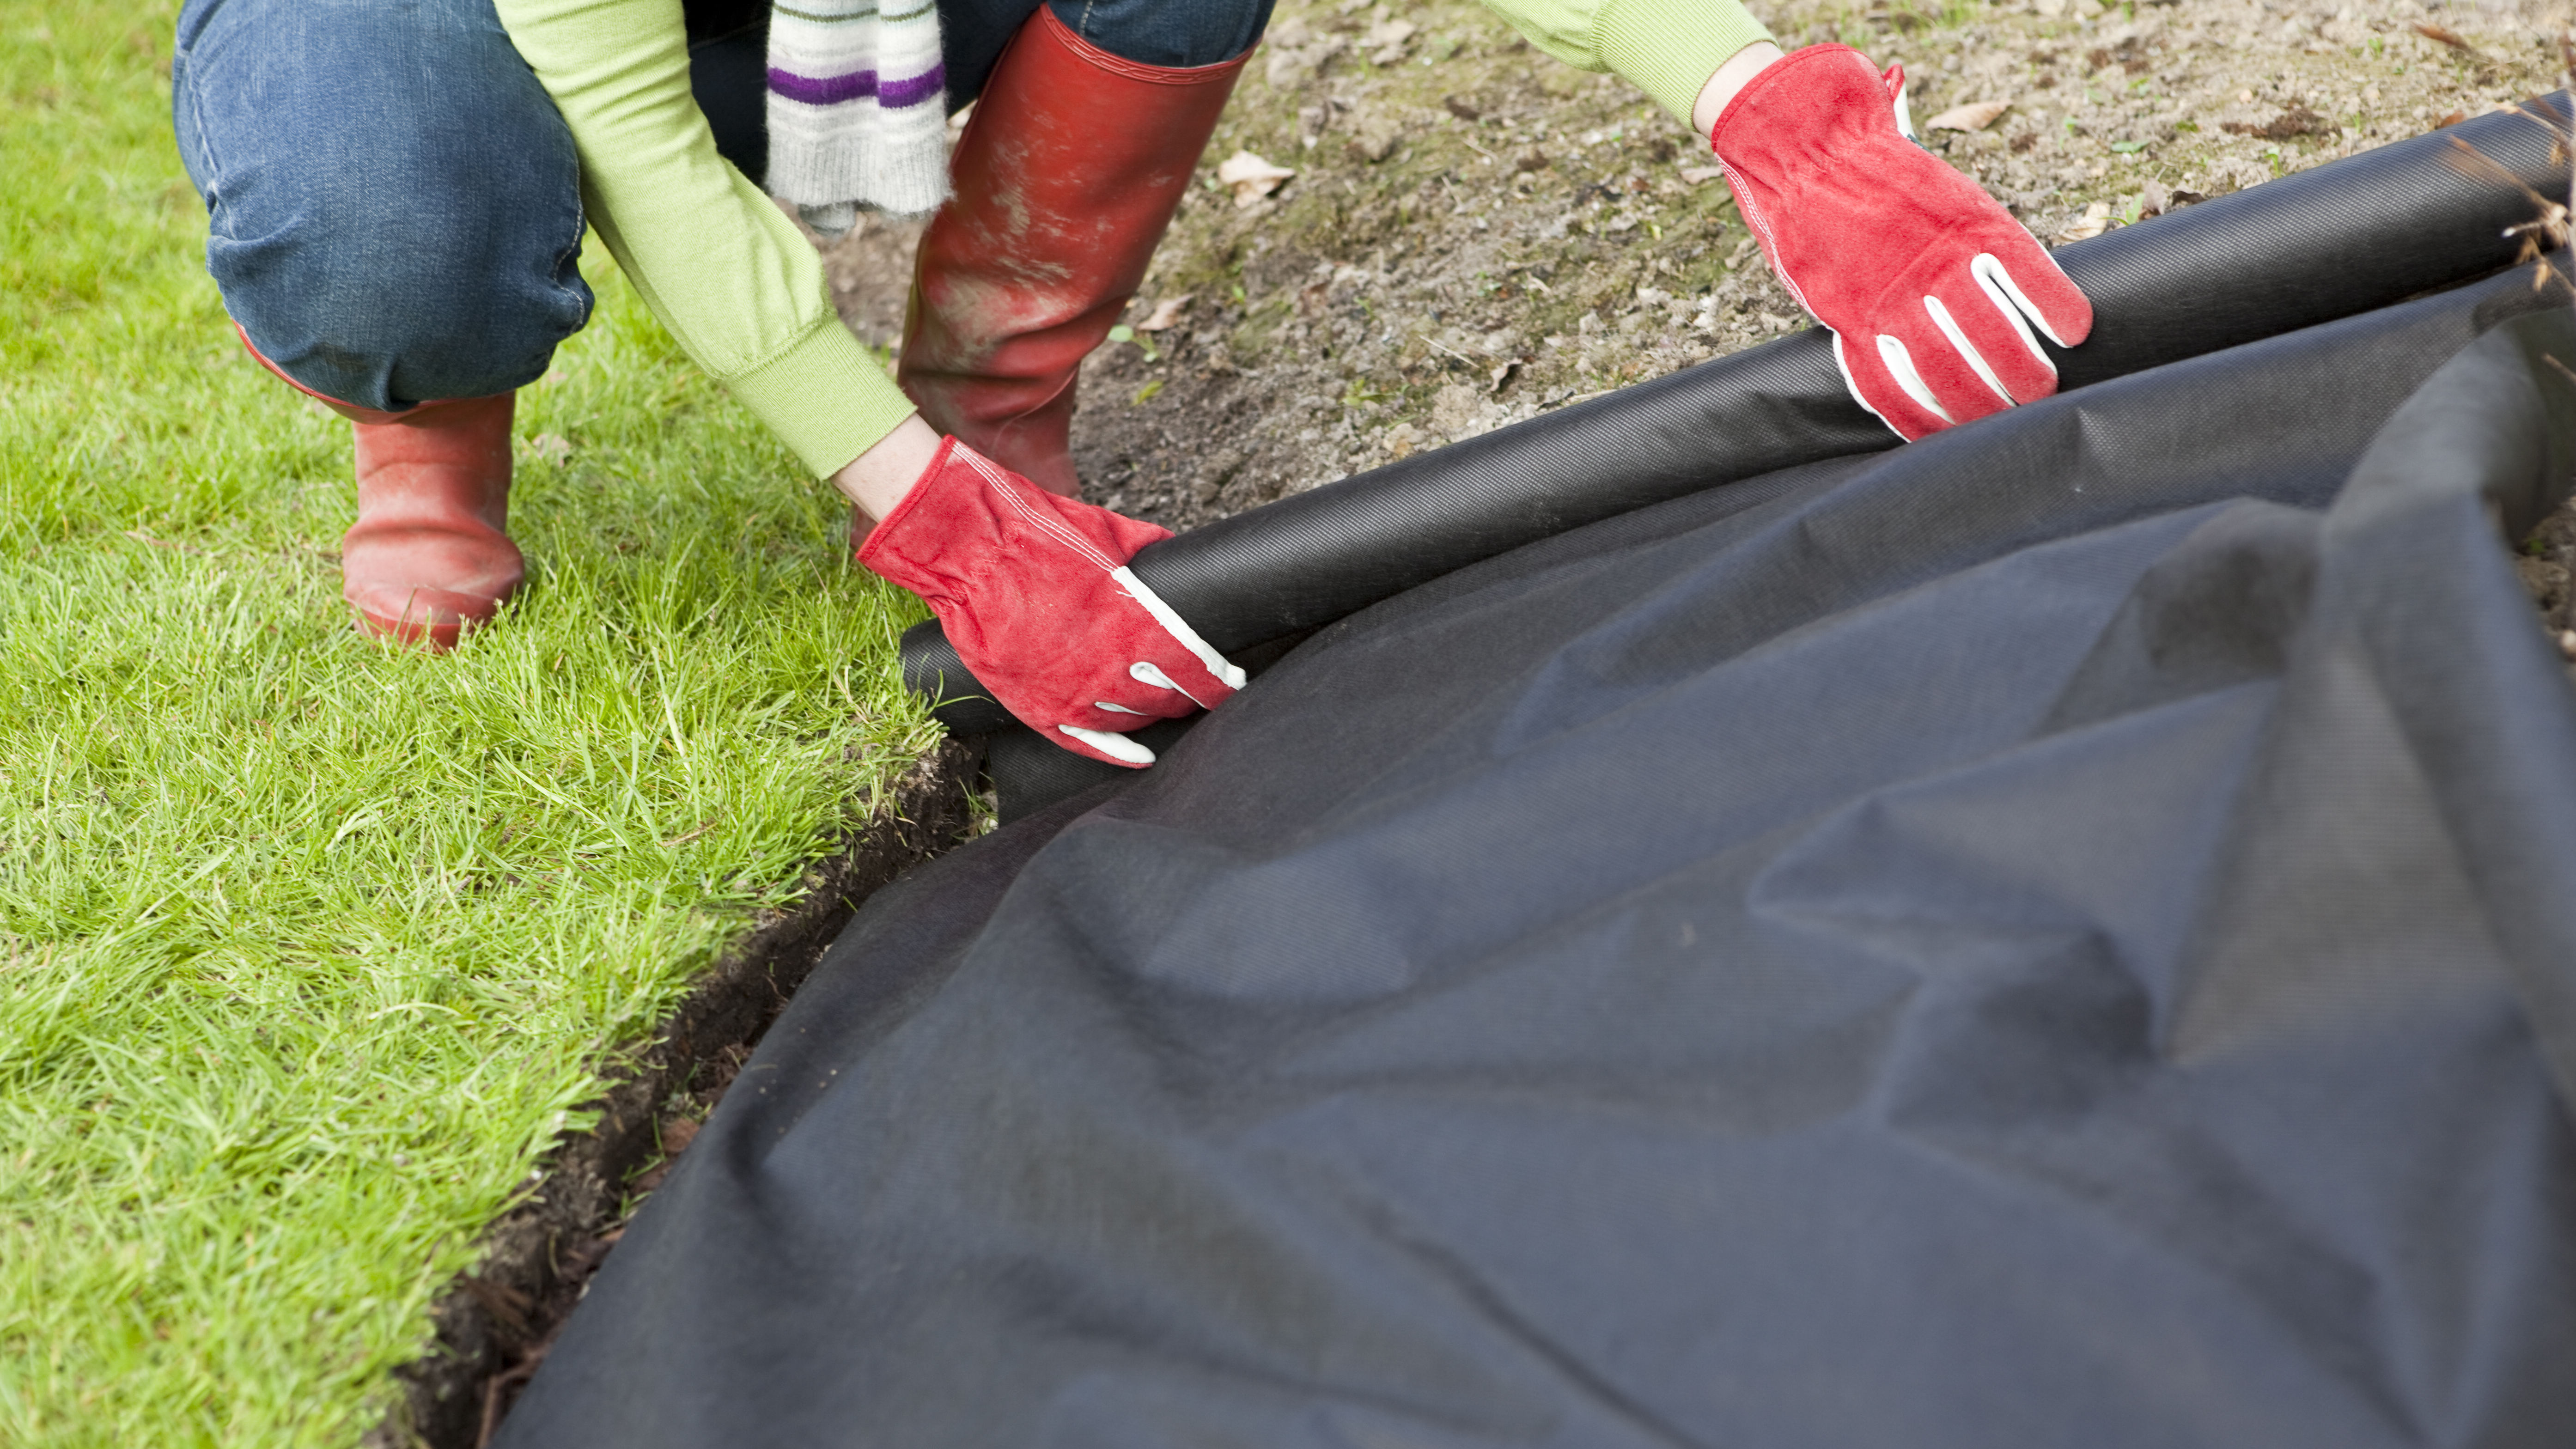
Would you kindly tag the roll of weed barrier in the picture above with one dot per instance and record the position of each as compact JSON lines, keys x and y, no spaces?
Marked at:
{"x":2347,"y":237}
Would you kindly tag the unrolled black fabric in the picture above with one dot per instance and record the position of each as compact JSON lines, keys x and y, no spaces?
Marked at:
{"x":2061,"y":933}
{"x":2341,"y":239}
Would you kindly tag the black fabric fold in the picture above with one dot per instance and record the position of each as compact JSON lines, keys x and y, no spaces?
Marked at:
{"x":2057,"y":934}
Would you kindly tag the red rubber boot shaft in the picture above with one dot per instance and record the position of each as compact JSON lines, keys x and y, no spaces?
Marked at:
{"x":429,"y":557}
{"x":1066,"y":178}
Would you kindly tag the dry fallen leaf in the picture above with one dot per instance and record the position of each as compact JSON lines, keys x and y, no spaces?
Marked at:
{"x":2095,"y":221}
{"x":1697,"y":174}
{"x":1974,"y":116}
{"x":1167,"y":314}
{"x":2444,"y":35}
{"x":1250,"y":177}
{"x":1389,"y":35}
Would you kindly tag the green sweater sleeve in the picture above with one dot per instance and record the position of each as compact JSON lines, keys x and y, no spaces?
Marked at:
{"x":715,"y":259}
{"x":1666,"y":48}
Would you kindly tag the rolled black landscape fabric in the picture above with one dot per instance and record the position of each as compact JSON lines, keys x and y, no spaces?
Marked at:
{"x":2058,"y":934}
{"x":2340,"y":239}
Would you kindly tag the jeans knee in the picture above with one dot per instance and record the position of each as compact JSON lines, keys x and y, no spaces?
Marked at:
{"x":382,"y":238}
{"x":384,"y":300}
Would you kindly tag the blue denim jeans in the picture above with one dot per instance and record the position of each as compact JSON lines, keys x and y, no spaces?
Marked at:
{"x":395,"y":205}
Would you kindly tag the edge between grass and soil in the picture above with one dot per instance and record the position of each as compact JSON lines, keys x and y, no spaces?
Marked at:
{"x":314,"y":953}
{"x":494,"y":1324}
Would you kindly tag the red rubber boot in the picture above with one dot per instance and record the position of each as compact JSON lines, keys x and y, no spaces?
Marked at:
{"x":1066,"y":177}
{"x":428,"y":558}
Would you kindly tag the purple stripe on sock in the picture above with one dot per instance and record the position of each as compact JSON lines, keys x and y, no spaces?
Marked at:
{"x":831,"y":90}
{"x":912,"y":91}
{"x":828,"y":90}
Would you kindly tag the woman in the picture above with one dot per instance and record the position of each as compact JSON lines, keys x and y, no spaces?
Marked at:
{"x":398,"y":193}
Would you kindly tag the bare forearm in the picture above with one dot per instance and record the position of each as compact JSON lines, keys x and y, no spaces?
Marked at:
{"x":877,"y":479}
{"x":1731,"y":77}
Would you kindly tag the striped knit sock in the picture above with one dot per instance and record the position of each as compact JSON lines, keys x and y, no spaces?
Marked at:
{"x":855,"y":113}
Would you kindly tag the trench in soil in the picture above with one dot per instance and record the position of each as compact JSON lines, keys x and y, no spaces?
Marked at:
{"x":493,"y":1325}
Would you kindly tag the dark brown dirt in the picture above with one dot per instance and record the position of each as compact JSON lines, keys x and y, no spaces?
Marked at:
{"x":2547,"y":564}
{"x":494,"y":1326}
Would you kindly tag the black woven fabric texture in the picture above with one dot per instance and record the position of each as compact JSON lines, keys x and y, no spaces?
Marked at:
{"x":2341,"y":239}
{"x":2058,"y":934}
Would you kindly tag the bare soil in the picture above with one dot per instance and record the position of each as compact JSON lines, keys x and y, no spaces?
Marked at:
{"x":1476,"y":233}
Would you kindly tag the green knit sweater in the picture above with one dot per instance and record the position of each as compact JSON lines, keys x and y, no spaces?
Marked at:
{"x":739,"y":287}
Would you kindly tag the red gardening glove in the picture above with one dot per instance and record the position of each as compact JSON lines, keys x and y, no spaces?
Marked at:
{"x":1924,"y":279}
{"x":1035,"y":592}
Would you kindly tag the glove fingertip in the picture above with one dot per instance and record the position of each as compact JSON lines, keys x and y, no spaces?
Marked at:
{"x":2064,"y":311}
{"x":1876,"y":390}
{"x":1221,"y":687}
{"x":2019,"y":265}
{"x":1105,"y":746}
{"x":2067,"y":312}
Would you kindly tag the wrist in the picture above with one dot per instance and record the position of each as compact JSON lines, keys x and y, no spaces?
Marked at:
{"x":877,"y":480}
{"x":1734,"y":76}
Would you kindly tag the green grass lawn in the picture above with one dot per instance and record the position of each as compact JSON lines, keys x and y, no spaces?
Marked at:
{"x":309,"y":947}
